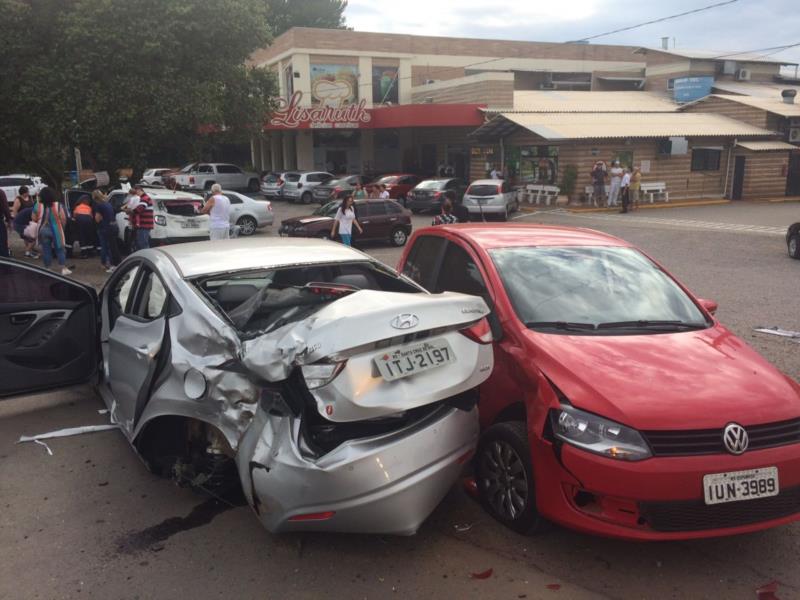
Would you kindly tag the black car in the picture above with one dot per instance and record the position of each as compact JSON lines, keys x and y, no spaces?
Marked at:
{"x":429,"y":194}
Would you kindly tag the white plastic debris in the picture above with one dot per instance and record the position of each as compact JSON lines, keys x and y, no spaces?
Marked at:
{"x":102,"y":411}
{"x":46,"y":447}
{"x":793,"y":335}
{"x":65,"y":433}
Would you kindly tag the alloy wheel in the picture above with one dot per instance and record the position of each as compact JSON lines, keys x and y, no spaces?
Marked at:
{"x":504,"y":479}
{"x":247,"y":226}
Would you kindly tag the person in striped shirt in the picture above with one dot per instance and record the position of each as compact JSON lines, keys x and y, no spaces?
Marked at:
{"x":142,"y":218}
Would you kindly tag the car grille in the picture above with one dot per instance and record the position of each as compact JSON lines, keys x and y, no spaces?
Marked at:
{"x":709,"y":441}
{"x":695,"y":515}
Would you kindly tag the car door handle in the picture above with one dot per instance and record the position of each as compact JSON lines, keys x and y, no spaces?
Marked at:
{"x":21,"y":319}
{"x":393,"y":219}
{"x":364,"y":222}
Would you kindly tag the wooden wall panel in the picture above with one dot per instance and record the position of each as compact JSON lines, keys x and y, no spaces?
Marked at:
{"x":764,"y":175}
{"x":734,"y":110}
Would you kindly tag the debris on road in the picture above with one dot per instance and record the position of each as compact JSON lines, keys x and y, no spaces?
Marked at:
{"x":793,"y":335}
{"x":767,"y":592}
{"x":553,"y":586}
{"x":470,"y":486}
{"x":46,"y":447}
{"x":483,"y":574}
{"x":70,"y":431}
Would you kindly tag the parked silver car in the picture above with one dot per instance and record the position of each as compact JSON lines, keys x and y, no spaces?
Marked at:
{"x":341,"y":394}
{"x":299,"y":185}
{"x":490,"y":198}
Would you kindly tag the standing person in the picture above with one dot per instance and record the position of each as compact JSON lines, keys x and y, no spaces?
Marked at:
{"x":446,"y":217}
{"x":83,"y":218}
{"x":598,"y":175}
{"x":384,"y":195}
{"x":218,"y":207}
{"x":142,"y":218}
{"x":460,"y":211}
{"x":344,"y":220}
{"x":625,"y":190}
{"x":360,"y":192}
{"x":495,"y":173}
{"x":5,"y":217}
{"x":615,"y":174}
{"x":50,"y":215}
{"x":21,"y":213}
{"x":635,"y":187}
{"x":107,"y":231}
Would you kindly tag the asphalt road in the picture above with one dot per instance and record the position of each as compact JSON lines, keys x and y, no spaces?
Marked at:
{"x":90,"y":521}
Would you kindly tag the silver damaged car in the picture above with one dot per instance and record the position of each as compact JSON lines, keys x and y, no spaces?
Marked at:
{"x":339,"y":394}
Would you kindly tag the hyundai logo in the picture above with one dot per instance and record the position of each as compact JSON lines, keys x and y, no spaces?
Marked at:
{"x":735,"y":438}
{"x":404,"y":321}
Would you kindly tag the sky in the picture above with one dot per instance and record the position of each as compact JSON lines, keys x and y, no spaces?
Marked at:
{"x":743,"y":25}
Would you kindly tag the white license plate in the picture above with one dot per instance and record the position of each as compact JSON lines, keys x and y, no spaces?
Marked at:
{"x":190,"y":225}
{"x":741,"y":485}
{"x":411,"y":360}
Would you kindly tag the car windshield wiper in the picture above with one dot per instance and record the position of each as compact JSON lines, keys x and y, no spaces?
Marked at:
{"x":651,"y":324}
{"x":564,"y":325}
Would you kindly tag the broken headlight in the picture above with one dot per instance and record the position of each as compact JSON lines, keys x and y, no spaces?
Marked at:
{"x":320,"y":374}
{"x":598,"y":435}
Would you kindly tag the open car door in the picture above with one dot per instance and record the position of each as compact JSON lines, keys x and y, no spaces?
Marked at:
{"x":48,"y":330}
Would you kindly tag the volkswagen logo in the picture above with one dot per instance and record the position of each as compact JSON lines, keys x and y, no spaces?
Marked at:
{"x":735,"y":438}
{"x":404,"y":321}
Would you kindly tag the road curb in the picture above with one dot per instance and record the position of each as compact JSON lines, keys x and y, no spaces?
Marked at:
{"x":650,"y":206}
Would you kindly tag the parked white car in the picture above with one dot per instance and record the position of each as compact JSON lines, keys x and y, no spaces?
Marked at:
{"x":203,"y":175}
{"x":249,"y":214}
{"x":175,"y":216}
{"x":10,"y":185}
{"x":299,"y":185}
{"x":490,"y":197}
{"x":155,"y":176}
{"x":272,"y":184}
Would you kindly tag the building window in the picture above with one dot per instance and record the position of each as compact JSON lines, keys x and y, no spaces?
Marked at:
{"x":384,"y":85}
{"x":532,"y":164}
{"x":671,"y":84}
{"x":705,"y":159}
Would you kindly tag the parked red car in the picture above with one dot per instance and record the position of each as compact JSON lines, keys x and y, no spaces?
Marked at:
{"x":618,"y":404}
{"x":397,"y":184}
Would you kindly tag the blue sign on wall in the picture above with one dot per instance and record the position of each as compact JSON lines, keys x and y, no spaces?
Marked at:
{"x":688,"y":89}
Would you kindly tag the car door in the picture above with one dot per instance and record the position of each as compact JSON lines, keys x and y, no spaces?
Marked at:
{"x":376,"y":223}
{"x":237,"y":207}
{"x":136,"y":332}
{"x":423,"y":259}
{"x":48,"y":330}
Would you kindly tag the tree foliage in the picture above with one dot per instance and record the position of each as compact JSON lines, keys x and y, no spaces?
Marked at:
{"x":285,"y":14}
{"x":129,"y":81}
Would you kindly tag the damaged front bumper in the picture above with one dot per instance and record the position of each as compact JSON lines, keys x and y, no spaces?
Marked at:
{"x":386,"y":483}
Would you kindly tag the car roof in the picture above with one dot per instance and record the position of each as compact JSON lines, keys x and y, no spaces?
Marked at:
{"x":507,"y":235}
{"x":194,"y":259}
{"x":487,"y":182}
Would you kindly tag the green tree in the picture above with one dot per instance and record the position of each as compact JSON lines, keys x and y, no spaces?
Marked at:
{"x":129,"y":81}
{"x":325,"y":14}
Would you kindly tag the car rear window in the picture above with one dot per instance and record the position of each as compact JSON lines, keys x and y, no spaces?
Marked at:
{"x":292,"y":177}
{"x":432,"y":184}
{"x":387,"y":180}
{"x":485,"y":189}
{"x":14,"y":181}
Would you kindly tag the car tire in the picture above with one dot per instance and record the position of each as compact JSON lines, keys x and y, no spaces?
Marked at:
{"x":253,"y":186}
{"x":247,"y":225}
{"x":399,"y":237}
{"x":502,"y":466}
{"x":306,"y":198}
{"x":504,"y":216}
{"x":793,"y":245}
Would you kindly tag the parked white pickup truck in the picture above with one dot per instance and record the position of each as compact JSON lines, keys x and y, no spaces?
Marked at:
{"x":203,"y":175}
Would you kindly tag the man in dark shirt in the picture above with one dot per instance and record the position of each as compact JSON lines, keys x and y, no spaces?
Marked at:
{"x":460,"y":211}
{"x":5,"y":217}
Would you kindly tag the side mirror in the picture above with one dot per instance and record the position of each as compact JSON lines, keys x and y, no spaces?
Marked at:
{"x":495,"y":326}
{"x":709,"y":305}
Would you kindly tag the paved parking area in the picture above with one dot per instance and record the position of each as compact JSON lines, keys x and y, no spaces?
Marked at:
{"x":90,"y":521}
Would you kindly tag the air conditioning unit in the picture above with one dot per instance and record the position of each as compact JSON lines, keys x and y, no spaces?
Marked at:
{"x":743,"y":75}
{"x":794,"y":134}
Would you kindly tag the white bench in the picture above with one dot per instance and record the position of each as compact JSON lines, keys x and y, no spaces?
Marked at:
{"x":653,"y":189}
{"x":541,"y":193}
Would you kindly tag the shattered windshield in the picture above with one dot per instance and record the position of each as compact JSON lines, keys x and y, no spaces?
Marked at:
{"x":258,"y":302}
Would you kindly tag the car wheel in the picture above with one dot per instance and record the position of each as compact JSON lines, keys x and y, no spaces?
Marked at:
{"x":504,"y":216}
{"x":247,"y":225}
{"x":794,"y":245}
{"x":399,"y":237}
{"x":252,"y":186}
{"x":306,"y":198}
{"x":505,"y":480}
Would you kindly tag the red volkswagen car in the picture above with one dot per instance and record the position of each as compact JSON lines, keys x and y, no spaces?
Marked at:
{"x":618,"y":404}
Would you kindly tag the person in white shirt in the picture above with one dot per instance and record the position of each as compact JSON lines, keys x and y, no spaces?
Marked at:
{"x":344,"y":220}
{"x":495,"y":174}
{"x":384,"y":195}
{"x":625,"y":190}
{"x":616,"y":183}
{"x":218,"y":207}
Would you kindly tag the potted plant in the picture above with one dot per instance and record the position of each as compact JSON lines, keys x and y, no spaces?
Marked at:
{"x":568,"y":181}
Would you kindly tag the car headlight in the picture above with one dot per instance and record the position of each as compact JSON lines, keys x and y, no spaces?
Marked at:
{"x":598,"y":435}
{"x":160,"y":220}
{"x":320,"y":374}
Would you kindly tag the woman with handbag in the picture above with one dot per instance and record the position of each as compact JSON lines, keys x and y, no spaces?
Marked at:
{"x":50,"y":216}
{"x":21,"y":213}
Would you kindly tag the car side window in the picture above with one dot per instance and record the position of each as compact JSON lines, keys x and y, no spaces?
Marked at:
{"x":377,"y":209}
{"x":205,"y":169}
{"x":394,"y":208}
{"x":153,"y":297}
{"x":121,"y":294}
{"x":422,"y":260}
{"x":313,"y":178}
{"x":459,"y":273}
{"x":234,"y":199}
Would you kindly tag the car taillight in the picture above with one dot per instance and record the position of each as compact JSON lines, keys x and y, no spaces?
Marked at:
{"x":479,"y":332}
{"x":336,"y":190}
{"x":437,"y":194}
{"x":191,"y":179}
{"x":280,"y":182}
{"x":269,"y":206}
{"x":320,"y":516}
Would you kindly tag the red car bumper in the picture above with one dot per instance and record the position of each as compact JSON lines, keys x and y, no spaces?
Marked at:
{"x":658,"y":498}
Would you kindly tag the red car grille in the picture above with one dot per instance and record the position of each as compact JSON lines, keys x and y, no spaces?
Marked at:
{"x":695,"y":515}
{"x":709,"y":441}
